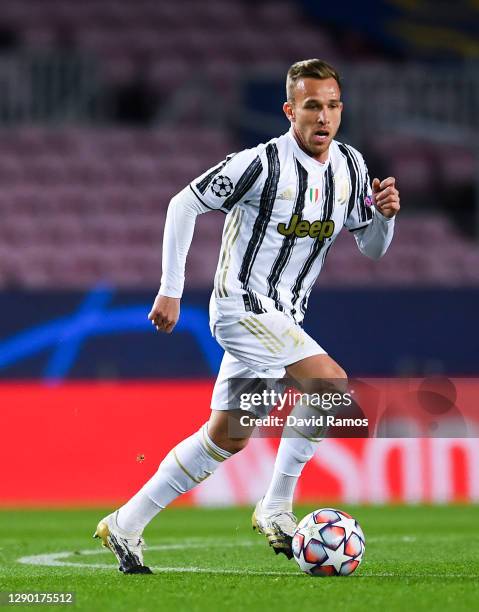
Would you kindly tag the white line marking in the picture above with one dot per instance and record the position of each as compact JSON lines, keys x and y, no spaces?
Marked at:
{"x":405,"y":538}
{"x":60,"y":559}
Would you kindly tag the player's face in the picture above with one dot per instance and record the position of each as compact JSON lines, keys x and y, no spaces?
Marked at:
{"x":315,"y":114}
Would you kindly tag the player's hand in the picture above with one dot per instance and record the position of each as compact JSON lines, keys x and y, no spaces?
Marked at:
{"x":386,"y":196}
{"x":165,"y":313}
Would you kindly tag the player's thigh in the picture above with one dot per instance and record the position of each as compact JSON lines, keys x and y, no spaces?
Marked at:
{"x":266,"y":342}
{"x":317,"y":374}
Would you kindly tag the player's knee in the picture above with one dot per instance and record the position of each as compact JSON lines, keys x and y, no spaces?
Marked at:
{"x":235,"y":445}
{"x":231,"y":445}
{"x":226,"y":431}
{"x":333,"y":379}
{"x":337,"y":373}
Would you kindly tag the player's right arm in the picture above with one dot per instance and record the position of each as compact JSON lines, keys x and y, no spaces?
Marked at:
{"x":178,"y":234}
{"x":164,"y":313}
{"x":220,"y":188}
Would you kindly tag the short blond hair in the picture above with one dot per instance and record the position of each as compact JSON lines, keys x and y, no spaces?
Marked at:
{"x":309,"y":69}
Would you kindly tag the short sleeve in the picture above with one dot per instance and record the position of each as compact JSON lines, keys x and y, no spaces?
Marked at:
{"x":229,"y":182}
{"x":360,"y":204}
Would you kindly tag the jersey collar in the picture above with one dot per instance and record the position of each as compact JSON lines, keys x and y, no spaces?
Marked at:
{"x":303,"y":156}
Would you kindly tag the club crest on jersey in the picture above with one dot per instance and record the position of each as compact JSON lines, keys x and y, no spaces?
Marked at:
{"x":301,"y":228}
{"x":341,"y":187}
{"x":313,"y":194}
{"x":222,"y":186}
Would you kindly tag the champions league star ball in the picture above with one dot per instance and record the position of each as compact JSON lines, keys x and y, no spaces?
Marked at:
{"x":222,"y":186}
{"x":328,"y":542}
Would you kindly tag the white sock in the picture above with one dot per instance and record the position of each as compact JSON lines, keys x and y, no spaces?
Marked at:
{"x":298,"y":444}
{"x":137,"y":513}
{"x":185,"y":466}
{"x":293,"y":454}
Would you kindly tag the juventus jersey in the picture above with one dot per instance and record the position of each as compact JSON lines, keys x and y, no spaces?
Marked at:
{"x":284,"y":211}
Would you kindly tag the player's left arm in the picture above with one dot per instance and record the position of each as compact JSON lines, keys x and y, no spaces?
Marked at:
{"x":386,"y":197}
{"x":374,"y":239}
{"x":372,"y":208}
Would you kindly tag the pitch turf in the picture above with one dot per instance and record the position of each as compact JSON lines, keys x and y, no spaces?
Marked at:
{"x":417,"y":558}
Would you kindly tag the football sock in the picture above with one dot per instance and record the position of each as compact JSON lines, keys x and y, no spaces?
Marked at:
{"x":293,"y":454}
{"x":137,"y":513}
{"x":298,"y":444}
{"x":185,"y":466}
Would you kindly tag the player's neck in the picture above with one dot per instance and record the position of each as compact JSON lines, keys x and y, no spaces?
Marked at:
{"x":302,"y":146}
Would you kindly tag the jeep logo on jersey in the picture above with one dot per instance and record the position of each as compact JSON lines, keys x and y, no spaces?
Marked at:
{"x":222,"y":186}
{"x":316,"y":229}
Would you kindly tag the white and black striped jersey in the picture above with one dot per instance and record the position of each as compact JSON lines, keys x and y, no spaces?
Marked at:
{"x":283,"y":212}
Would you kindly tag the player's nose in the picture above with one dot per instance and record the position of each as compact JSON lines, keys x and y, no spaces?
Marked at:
{"x":322,"y":117}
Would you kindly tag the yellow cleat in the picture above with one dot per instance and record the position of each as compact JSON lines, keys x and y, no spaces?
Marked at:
{"x":278,"y":528}
{"x":127,"y":547}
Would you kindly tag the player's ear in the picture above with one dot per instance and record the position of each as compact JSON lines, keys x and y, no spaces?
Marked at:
{"x":289,"y":111}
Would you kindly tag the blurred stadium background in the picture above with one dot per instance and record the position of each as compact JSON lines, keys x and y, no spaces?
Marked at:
{"x":108,"y":108}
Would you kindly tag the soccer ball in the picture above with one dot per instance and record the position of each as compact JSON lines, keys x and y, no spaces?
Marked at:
{"x":328,"y":542}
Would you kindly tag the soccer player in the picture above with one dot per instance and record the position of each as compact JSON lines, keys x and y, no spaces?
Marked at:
{"x":285,"y":203}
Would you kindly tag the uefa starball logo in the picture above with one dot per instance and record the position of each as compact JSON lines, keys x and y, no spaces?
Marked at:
{"x":222,"y":186}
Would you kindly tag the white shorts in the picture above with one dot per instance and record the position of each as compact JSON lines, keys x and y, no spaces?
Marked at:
{"x":256,"y":345}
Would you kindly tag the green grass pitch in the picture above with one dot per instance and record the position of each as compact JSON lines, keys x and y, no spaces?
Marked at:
{"x":417,"y":558}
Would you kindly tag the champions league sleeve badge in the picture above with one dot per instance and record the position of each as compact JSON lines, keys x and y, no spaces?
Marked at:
{"x":222,"y":186}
